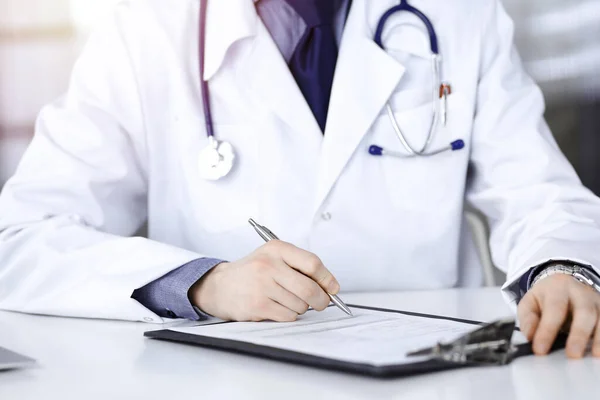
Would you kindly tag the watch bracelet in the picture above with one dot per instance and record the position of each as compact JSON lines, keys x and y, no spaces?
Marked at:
{"x":554,"y":269}
{"x":577,"y":272}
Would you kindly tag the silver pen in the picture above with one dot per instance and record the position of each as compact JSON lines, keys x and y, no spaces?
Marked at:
{"x":267,"y":236}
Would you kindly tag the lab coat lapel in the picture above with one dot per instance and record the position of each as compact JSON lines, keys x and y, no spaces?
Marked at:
{"x":227,"y":22}
{"x":269,"y":81}
{"x":263,"y":72}
{"x":365,"y":78}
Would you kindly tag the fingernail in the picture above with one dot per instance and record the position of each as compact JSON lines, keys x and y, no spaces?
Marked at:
{"x":541,"y":348}
{"x":333,"y":287}
{"x":575,"y":351}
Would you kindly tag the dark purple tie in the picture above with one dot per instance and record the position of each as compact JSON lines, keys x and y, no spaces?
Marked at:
{"x":313,"y":62}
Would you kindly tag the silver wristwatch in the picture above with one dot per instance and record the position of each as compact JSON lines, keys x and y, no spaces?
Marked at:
{"x":583,"y":275}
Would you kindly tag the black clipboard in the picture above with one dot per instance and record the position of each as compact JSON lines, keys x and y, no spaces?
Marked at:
{"x":387,"y":371}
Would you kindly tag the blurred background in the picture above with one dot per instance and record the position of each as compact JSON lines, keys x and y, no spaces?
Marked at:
{"x":559,"y":41}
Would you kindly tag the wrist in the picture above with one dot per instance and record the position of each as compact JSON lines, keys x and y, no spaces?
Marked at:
{"x":203,"y":291}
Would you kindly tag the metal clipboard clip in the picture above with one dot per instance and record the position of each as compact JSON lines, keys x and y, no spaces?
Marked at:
{"x":488,"y":345}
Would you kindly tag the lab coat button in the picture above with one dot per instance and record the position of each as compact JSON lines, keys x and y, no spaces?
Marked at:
{"x":326,"y":216}
{"x":148,"y":319}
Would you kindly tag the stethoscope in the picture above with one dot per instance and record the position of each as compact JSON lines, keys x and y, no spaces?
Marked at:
{"x":441,"y":91}
{"x":218,"y":158}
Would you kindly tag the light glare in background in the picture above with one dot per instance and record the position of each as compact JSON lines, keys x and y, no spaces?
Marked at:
{"x":559,"y":41}
{"x":85,"y":13}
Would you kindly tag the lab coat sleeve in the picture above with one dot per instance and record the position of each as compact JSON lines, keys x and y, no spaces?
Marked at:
{"x":536,"y":206}
{"x":79,"y":192}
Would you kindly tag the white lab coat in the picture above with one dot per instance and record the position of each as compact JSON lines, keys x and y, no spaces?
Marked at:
{"x":121,"y":148}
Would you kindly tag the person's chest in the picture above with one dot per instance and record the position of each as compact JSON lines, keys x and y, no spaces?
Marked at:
{"x":287,"y":174}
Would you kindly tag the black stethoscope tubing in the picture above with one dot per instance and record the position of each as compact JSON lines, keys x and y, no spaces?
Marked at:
{"x":204,"y":89}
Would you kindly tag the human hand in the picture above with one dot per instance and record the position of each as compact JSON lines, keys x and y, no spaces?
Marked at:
{"x":561,"y":302}
{"x":277,"y":282}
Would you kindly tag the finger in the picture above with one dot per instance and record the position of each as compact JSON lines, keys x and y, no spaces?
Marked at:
{"x":585,"y":318}
{"x":596,"y":345}
{"x":529,"y":313}
{"x":276,"y":312}
{"x":302,"y":287}
{"x":554,"y":314}
{"x":287,"y":299}
{"x":308,"y":264}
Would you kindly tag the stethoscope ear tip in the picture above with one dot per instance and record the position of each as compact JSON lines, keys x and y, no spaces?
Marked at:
{"x":457,"y":145}
{"x":375,"y":150}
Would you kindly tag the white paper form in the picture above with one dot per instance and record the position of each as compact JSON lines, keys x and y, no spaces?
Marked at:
{"x":370,"y":337}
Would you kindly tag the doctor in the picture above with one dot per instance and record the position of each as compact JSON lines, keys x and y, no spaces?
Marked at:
{"x":299,"y":92}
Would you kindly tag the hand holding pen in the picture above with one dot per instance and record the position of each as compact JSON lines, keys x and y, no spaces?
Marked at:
{"x":267,"y":236}
{"x":277,"y":282}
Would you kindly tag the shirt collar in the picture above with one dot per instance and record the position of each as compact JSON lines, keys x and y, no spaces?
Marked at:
{"x":227,"y":22}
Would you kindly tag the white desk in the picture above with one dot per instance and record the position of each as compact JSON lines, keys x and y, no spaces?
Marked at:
{"x":88,"y":360}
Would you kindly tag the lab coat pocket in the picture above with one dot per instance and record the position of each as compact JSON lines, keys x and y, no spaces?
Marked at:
{"x":423,"y":184}
{"x":226,"y":204}
{"x":413,"y":111}
{"x":410,"y":99}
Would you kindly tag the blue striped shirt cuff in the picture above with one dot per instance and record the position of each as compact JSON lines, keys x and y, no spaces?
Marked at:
{"x":168,"y":297}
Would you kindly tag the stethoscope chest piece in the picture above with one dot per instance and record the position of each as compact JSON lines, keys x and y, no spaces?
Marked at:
{"x":216,"y":160}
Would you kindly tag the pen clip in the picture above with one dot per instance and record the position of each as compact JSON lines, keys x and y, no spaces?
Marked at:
{"x":488,"y":345}
{"x":445,"y":91}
